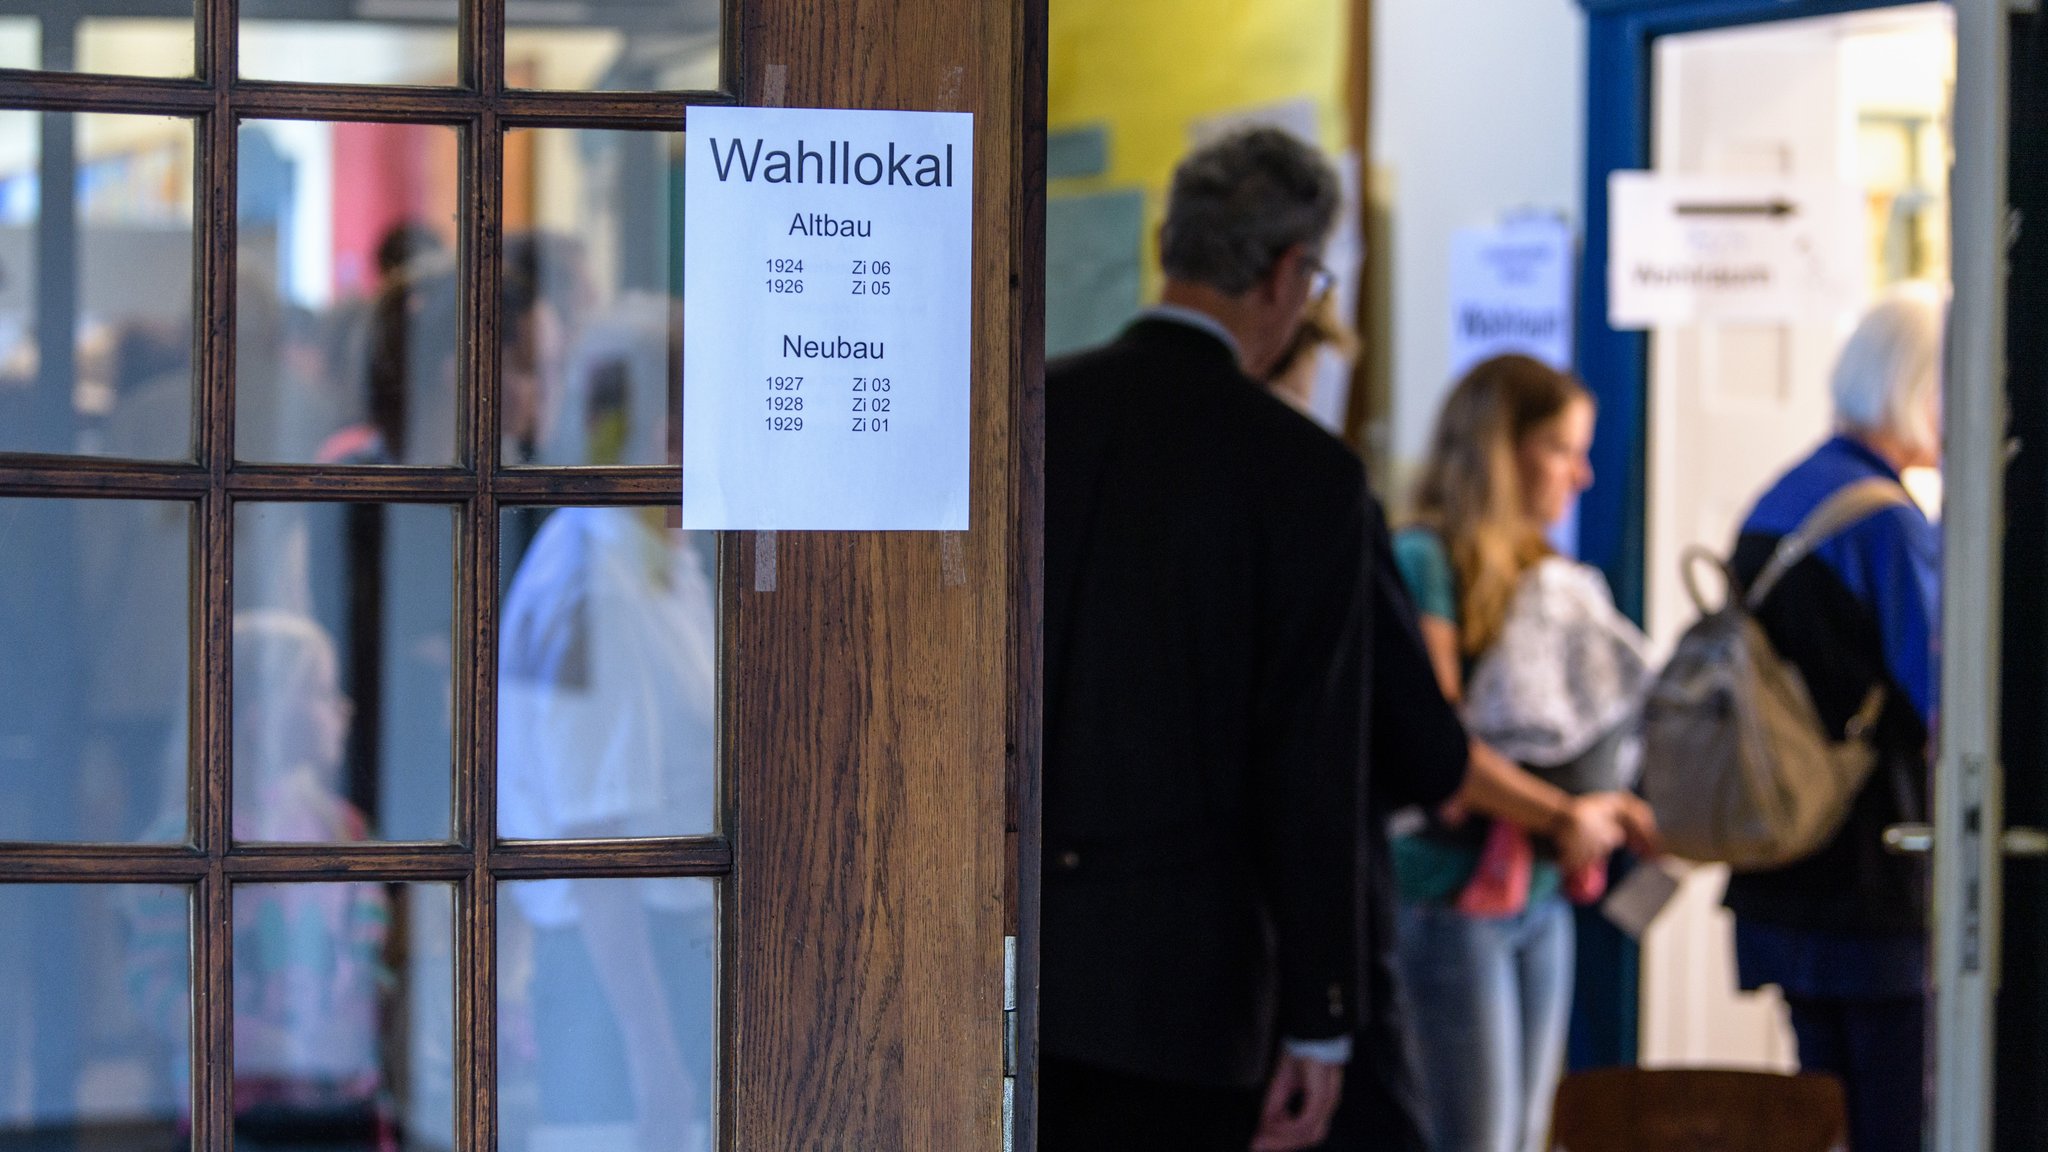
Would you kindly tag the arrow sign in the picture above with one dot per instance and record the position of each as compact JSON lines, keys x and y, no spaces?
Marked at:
{"x":1700,"y":248}
{"x":1774,"y":209}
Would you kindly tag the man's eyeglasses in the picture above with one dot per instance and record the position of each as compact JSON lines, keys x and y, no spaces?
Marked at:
{"x":1320,"y":278}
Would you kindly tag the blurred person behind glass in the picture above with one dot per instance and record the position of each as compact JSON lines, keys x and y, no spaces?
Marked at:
{"x":408,"y":249}
{"x":608,"y":694}
{"x":1842,"y":933}
{"x":1485,"y":933}
{"x":125,"y":584}
{"x":309,"y":958}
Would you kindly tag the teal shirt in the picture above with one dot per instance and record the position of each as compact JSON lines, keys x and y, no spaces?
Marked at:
{"x":1431,"y":868}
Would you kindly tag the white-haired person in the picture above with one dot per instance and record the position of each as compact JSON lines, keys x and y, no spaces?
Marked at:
{"x":1842,"y":932}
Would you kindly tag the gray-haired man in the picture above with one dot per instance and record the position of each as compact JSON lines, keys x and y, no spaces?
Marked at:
{"x":1206,"y":631}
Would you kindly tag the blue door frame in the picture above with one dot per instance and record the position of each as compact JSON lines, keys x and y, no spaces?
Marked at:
{"x":1619,"y":38}
{"x":1620,"y":35}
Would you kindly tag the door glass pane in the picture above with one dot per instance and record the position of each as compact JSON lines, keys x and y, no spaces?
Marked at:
{"x":613,"y":45}
{"x":592,"y":362}
{"x":343,"y":671}
{"x":344,"y":1016}
{"x":347,"y":295}
{"x":96,"y":1009}
{"x":607,"y":676}
{"x":21,"y":40}
{"x":398,"y":42}
{"x":127,"y":45}
{"x":597,"y":1047}
{"x":96,"y":330}
{"x":95,"y":612}
{"x":100,"y":36}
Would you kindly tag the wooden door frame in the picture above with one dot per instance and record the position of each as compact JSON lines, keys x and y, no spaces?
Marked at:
{"x":853,"y":1026}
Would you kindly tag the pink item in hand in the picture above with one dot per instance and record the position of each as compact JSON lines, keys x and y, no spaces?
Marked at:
{"x":1587,"y":885}
{"x":1500,"y":887}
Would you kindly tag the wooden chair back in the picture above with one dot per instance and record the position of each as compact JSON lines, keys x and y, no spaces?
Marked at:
{"x":1698,"y":1110}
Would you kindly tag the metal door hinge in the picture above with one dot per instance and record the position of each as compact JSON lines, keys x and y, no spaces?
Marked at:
{"x":1010,"y":1007}
{"x":1009,"y":1043}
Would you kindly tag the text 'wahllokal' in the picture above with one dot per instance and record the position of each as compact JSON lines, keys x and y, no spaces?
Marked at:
{"x":836,"y":164}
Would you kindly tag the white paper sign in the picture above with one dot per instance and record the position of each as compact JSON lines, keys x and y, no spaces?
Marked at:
{"x":827,"y":285}
{"x":1686,"y":249}
{"x":1511,"y":291}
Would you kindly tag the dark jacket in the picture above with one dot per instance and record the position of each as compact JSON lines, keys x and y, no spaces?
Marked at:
{"x":1418,"y":754}
{"x":1858,"y":613}
{"x":1206,"y":636}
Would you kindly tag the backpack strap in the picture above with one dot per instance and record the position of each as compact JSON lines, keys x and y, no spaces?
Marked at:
{"x":1846,"y":508}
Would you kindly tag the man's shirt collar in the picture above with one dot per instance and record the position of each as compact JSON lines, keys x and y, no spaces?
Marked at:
{"x":1199,"y":320}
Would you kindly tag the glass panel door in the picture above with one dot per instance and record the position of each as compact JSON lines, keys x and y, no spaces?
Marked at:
{"x":296,"y":371}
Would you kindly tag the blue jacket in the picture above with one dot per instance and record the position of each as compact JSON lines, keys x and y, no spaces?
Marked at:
{"x":1863,"y":610}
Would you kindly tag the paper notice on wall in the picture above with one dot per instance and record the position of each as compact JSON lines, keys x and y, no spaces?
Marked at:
{"x":1696,"y":249}
{"x":828,"y":284}
{"x":1511,"y":292}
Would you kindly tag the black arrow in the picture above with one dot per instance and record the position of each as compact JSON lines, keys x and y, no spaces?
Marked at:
{"x":1773,"y":209}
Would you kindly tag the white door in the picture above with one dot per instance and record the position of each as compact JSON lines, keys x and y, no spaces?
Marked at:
{"x":1859,"y":98}
{"x":1730,"y":406}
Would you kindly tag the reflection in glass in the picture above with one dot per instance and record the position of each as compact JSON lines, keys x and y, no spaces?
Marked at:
{"x":346,"y":293}
{"x":607,"y":1015}
{"x":592,"y":365}
{"x":95,"y":1006}
{"x":348,"y":50}
{"x":613,"y":45}
{"x":344,"y":1018}
{"x":607,"y":677}
{"x":21,"y":42}
{"x":95,"y":608}
{"x":82,"y":36}
{"x":78,"y":38}
{"x":96,"y":330}
{"x":126,"y":45}
{"x":344,"y":641}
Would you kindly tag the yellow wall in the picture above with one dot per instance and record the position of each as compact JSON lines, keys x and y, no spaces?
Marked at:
{"x":1150,"y":70}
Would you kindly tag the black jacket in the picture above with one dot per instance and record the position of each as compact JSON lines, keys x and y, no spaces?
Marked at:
{"x":1206,"y":638}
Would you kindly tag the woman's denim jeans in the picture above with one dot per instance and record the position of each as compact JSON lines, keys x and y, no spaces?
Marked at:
{"x":1489,"y":1000}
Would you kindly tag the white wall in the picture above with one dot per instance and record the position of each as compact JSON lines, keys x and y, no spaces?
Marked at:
{"x":1478,"y":109}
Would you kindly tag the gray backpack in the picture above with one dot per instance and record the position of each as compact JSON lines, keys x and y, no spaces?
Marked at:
{"x":1736,"y":762}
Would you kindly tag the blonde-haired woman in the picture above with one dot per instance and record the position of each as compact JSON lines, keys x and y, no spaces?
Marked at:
{"x":1485,"y":931}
